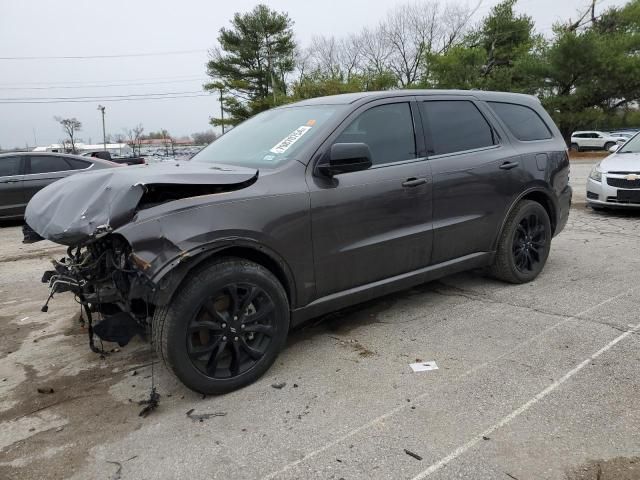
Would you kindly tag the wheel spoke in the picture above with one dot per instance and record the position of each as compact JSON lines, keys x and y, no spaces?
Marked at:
{"x":259,"y":328}
{"x":252,"y":352}
{"x":234,"y":367}
{"x":204,"y":325}
{"x":212,"y":364}
{"x":232,"y":291}
{"x":246,"y":301}
{"x":264,"y":311}
{"x":210,"y":308}
{"x":200,"y":350}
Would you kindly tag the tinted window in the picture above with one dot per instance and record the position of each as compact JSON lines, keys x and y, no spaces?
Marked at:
{"x":9,"y":166}
{"x":45,"y":164}
{"x":456,"y":126}
{"x":77,"y":164}
{"x":524,"y":123}
{"x":387,"y":129}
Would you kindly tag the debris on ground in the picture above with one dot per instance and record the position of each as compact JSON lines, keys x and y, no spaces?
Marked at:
{"x":118,"y":473}
{"x":412,"y":454}
{"x":279,"y":385}
{"x":200,"y":417}
{"x":151,"y":403}
{"x":423,"y":366}
{"x":45,"y":390}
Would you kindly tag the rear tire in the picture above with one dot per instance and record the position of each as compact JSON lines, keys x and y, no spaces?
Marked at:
{"x":224,"y":327}
{"x":524,"y":244}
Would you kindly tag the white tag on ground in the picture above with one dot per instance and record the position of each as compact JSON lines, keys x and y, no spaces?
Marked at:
{"x":423,"y":366}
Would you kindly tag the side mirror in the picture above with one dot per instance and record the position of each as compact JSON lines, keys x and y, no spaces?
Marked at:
{"x":614,"y":149}
{"x":346,"y":157}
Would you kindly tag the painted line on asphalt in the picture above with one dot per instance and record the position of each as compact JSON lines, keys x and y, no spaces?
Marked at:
{"x":523,"y":408}
{"x":398,"y":409}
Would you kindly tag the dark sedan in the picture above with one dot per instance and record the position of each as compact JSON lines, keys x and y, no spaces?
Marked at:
{"x":23,"y":174}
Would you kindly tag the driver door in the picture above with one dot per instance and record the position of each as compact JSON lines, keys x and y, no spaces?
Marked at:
{"x":376,"y":223}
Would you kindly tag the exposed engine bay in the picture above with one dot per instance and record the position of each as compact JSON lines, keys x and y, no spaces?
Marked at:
{"x":105,"y":282}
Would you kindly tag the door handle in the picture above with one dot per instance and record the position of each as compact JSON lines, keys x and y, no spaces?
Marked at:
{"x":508,"y":165}
{"x":414,"y":182}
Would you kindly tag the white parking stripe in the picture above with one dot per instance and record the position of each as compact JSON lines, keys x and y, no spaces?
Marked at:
{"x":395,"y":410}
{"x":460,"y":450}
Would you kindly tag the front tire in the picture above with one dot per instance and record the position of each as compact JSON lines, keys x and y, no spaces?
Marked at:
{"x":224,"y":327}
{"x":608,"y":145}
{"x":575,"y":147}
{"x":524,"y":244}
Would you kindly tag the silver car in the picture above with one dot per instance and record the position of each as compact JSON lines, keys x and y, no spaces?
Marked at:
{"x":615,"y":181}
{"x":23,"y":174}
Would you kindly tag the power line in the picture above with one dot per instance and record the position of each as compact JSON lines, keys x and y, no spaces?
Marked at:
{"x":100,"y":97}
{"x":54,"y":87}
{"x":21,"y":102}
{"x":72,"y":82}
{"x":124,"y":55}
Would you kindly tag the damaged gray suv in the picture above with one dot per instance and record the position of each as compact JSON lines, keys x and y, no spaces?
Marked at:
{"x":302,"y":210}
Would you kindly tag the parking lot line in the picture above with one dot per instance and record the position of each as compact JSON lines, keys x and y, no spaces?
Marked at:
{"x":523,"y":408}
{"x":480,"y":366}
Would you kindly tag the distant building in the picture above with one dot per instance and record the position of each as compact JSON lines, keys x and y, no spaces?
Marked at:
{"x":116,"y":149}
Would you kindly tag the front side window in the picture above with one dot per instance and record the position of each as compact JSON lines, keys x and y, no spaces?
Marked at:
{"x":9,"y":166}
{"x":387,"y":130}
{"x":269,"y":139}
{"x":456,"y":126}
{"x":48,"y":164}
{"x":525,"y":124}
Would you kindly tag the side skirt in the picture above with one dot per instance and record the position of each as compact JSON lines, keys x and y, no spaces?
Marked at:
{"x":363,"y":293}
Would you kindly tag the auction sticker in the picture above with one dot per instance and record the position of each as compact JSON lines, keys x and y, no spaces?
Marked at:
{"x":290,"y":139}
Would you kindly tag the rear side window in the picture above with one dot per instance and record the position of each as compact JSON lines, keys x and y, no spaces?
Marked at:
{"x":525,"y":124}
{"x":46,"y":164}
{"x":77,"y":164}
{"x":387,"y":130}
{"x":456,"y":126}
{"x":9,"y":166}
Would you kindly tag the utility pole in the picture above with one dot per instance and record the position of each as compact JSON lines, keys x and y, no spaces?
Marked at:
{"x":104,"y":133}
{"x":221,"y":111}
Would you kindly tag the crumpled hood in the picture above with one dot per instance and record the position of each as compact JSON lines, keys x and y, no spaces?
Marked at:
{"x":621,"y":162}
{"x":74,"y":208}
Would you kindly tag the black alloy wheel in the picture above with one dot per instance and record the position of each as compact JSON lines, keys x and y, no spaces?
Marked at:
{"x":524,"y":244}
{"x":529,"y":243}
{"x":224,"y":327}
{"x":231,"y":331}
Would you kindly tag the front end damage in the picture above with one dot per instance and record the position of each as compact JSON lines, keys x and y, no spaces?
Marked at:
{"x":89,"y":213}
{"x":106,"y":281}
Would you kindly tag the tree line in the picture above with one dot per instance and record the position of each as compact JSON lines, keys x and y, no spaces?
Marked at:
{"x":586,"y":71}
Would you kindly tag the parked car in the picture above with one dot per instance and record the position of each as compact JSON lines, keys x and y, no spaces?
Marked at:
{"x":625,"y":135}
{"x":106,"y":155}
{"x":615,"y":181}
{"x":305,"y":209}
{"x":593,"y":140}
{"x":25,"y":173}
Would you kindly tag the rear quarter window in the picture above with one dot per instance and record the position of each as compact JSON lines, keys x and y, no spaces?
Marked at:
{"x":9,"y":166}
{"x":77,"y":164}
{"x":523,"y":122}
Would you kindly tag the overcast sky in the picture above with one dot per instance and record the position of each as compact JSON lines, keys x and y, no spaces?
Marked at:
{"x":41,"y":28}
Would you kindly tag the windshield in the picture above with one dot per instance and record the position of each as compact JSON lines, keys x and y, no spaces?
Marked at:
{"x":270,"y":138}
{"x":632,"y":145}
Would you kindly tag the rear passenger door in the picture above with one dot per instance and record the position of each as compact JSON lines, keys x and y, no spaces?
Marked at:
{"x":475,"y":175}
{"x":42,"y":170}
{"x":12,"y":198}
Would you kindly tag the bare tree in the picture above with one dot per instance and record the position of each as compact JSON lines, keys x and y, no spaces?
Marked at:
{"x":138,"y":131}
{"x":70,"y":126}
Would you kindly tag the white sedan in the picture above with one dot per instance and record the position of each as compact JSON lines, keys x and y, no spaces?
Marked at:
{"x":615,"y":181}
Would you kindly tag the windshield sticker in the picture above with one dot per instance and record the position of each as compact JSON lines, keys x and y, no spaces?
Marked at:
{"x":290,"y":139}
{"x":311,"y":123}
{"x":269,"y":158}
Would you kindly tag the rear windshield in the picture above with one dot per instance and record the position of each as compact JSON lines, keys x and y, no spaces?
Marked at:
{"x":525,"y":124}
{"x":269,"y":139}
